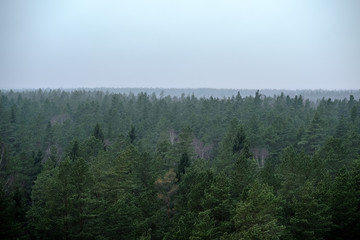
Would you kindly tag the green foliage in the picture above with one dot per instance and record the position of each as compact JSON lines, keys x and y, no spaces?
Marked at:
{"x":239,"y":141}
{"x":192,"y":190}
{"x":120,"y":219}
{"x":182,"y":229}
{"x":314,"y":135}
{"x":12,"y":214}
{"x":73,"y":166}
{"x":74,"y":152}
{"x":243,"y":173}
{"x":311,"y":219}
{"x":334,"y":155}
{"x":294,"y":169}
{"x":256,"y":216}
{"x":132,"y":135}
{"x":60,"y":201}
{"x":231,"y":146}
{"x":98,"y":133}
{"x":185,"y":143}
{"x":344,"y":201}
{"x":184,"y":163}
{"x":204,"y":227}
{"x":218,"y":205}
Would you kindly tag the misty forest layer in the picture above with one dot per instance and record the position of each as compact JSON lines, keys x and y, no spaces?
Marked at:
{"x":102,"y":165}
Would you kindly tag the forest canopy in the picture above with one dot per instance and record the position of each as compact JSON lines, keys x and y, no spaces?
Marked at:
{"x":100,"y":164}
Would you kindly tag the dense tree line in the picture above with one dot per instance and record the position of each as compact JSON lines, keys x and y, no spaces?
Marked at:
{"x":101,"y":165}
{"x":312,"y":95}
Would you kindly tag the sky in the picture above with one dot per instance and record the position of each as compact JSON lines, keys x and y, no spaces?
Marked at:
{"x":237,"y":44}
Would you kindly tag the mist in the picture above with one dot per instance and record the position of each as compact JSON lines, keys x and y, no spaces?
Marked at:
{"x":180,"y":44}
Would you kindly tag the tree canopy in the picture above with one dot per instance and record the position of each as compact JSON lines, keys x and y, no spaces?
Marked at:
{"x":91,"y":164}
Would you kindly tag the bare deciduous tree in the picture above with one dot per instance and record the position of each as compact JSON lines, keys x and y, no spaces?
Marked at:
{"x":201,"y":150}
{"x":260,"y":155}
{"x":172,"y":136}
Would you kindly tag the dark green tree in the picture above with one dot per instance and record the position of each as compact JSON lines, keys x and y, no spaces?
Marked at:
{"x":98,"y":133}
{"x":344,"y":200}
{"x":232,"y":145}
{"x":49,"y":135}
{"x":219,"y":205}
{"x":74,"y":152}
{"x":257,"y":216}
{"x":37,"y":164}
{"x":239,"y":141}
{"x":61,"y":201}
{"x":184,"y":163}
{"x":203,"y":227}
{"x":132,"y":135}
{"x":314,"y":135}
{"x":243,"y":172}
{"x":311,"y":219}
{"x":11,"y":214}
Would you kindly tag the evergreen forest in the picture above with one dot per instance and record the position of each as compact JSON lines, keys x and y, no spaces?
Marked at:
{"x":94,"y":164}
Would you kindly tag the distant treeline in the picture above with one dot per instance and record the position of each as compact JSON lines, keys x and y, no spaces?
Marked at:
{"x":312,"y":95}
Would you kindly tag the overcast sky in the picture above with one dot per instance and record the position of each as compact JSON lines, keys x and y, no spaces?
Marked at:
{"x":286,"y":44}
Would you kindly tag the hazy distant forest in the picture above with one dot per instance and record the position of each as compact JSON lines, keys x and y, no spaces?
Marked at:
{"x":91,"y":164}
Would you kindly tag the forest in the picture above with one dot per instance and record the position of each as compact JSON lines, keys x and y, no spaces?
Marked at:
{"x":95,"y":164}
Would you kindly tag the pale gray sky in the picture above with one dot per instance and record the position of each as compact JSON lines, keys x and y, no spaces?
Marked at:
{"x":287,"y":44}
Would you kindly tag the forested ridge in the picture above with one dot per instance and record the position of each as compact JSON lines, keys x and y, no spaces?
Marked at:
{"x":88,"y":164}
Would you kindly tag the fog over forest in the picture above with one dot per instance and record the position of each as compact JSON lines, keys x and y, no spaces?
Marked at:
{"x":312,"y":95}
{"x":180,"y":120}
{"x":101,"y":164}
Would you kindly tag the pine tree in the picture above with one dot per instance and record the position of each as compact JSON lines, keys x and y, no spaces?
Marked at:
{"x":98,"y":133}
{"x":132,"y":135}
{"x":218,"y":204}
{"x":312,"y":219}
{"x":314,"y":135}
{"x":184,"y":163}
{"x":42,"y":216}
{"x":182,"y":227}
{"x":49,"y":135}
{"x":294,"y":169}
{"x":243,"y":172}
{"x":204,"y":227}
{"x":256,"y":216}
{"x":231,"y":146}
{"x":119,"y":220}
{"x":10,"y":226}
{"x":344,"y":201}
{"x":74,"y":152}
{"x":334,"y":155}
{"x":61,"y":201}
{"x":185,"y":143}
